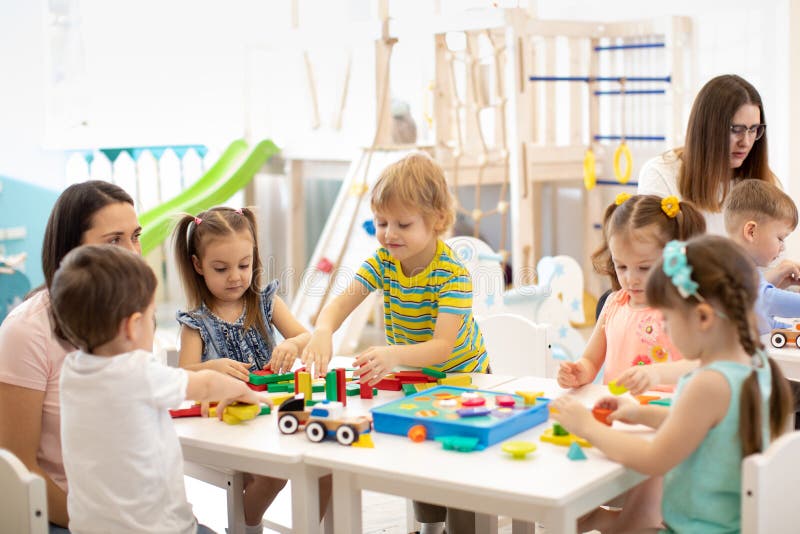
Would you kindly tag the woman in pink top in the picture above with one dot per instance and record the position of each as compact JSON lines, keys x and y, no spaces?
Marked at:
{"x":31,"y":347}
{"x":629,"y":337}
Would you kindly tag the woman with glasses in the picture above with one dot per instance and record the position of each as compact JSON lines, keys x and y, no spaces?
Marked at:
{"x":726,"y":141}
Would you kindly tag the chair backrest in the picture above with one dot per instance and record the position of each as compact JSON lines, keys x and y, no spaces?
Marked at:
{"x":516,"y":345}
{"x":768,"y":482}
{"x":23,"y":506}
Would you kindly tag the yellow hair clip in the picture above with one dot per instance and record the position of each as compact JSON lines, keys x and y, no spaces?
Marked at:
{"x":622,"y":197}
{"x":671,"y":206}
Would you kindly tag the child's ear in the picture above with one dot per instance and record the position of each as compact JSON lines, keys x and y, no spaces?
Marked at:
{"x":750,"y":231}
{"x":705,"y":315}
{"x":130,"y":325}
{"x":197,"y":266}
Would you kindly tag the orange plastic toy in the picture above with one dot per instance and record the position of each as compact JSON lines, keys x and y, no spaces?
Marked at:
{"x":417,"y":433}
{"x":601,"y":414}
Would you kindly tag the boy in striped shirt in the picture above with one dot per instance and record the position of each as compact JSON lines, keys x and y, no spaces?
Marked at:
{"x":427,"y":295}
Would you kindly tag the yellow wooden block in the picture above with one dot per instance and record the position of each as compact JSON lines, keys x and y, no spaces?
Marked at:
{"x":278,"y":398}
{"x":461,"y":379}
{"x":564,"y":441}
{"x":304,"y":384}
{"x":616,"y":389}
{"x":236,"y":413}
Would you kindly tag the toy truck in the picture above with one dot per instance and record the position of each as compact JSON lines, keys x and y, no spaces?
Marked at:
{"x":324,"y":419}
{"x":781,"y":336}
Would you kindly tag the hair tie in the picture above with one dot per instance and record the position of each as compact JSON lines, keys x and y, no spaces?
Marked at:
{"x":622,"y":197}
{"x":239,"y":211}
{"x":678,"y":270}
{"x":676,"y":267}
{"x":197,"y":221}
{"x":671,"y":206}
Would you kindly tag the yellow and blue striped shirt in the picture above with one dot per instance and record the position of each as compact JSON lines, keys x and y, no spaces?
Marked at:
{"x":411,"y":305}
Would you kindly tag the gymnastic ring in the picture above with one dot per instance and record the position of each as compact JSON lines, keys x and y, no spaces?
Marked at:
{"x":589,"y":170}
{"x":621,"y":150}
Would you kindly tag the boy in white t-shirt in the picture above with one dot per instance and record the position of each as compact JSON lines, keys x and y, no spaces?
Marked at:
{"x":121,"y":454}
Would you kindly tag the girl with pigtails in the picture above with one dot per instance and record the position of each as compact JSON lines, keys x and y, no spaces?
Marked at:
{"x":734,"y":404}
{"x":231,"y":321}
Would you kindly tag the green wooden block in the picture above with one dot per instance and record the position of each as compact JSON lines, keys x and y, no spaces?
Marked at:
{"x":259,"y":380}
{"x":316,"y":388}
{"x":434,"y":372}
{"x":330,"y":386}
{"x":312,"y":402}
{"x":662,"y":402}
{"x":280,"y":388}
{"x":409,"y":389}
{"x":265,"y":410}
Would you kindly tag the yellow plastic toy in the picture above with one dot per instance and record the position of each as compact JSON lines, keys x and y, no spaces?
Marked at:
{"x":364,"y":441}
{"x":622,"y":150}
{"x":518,"y":449}
{"x":530,"y":396}
{"x":589,"y":170}
{"x":237,"y":412}
{"x":565,"y":441}
{"x":616,"y":389}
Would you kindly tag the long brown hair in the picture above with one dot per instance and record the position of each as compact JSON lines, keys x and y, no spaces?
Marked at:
{"x":705,"y":175}
{"x":72,"y":217}
{"x":642,"y":211}
{"x":189,"y":240}
{"x":727,"y":276}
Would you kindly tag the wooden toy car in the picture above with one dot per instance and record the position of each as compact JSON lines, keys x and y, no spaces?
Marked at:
{"x":324,"y":419}
{"x":781,"y":336}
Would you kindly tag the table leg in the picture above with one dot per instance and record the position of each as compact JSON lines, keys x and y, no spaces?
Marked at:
{"x":346,"y":503}
{"x":305,"y":501}
{"x":485,"y":523}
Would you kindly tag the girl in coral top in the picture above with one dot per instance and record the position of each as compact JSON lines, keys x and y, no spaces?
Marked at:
{"x":629,"y":338}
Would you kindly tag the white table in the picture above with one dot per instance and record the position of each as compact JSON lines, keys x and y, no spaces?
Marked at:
{"x":258,"y":447}
{"x":546,"y":487}
{"x":788,"y":358}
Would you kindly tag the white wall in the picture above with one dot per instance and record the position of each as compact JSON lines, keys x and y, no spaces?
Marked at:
{"x":22,"y":115}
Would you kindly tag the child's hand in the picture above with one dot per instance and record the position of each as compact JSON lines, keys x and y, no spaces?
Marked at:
{"x":622,"y":409}
{"x":374,"y":363}
{"x":204,"y":407}
{"x":318,"y":352}
{"x":247,"y":396}
{"x":573,"y":374}
{"x":283,"y":357}
{"x":640,"y":378}
{"x":230,"y":367}
{"x":572,"y":415}
{"x":784,"y":274}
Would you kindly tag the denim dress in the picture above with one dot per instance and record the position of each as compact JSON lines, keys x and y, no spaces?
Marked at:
{"x":222,"y":339}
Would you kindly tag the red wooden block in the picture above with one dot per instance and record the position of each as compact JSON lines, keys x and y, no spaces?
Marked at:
{"x":263,"y":372}
{"x":366,"y":391}
{"x":341,"y":385}
{"x":389,"y":384}
{"x":194,"y":411}
{"x":262,"y":387}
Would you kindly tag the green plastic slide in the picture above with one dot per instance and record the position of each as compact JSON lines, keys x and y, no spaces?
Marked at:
{"x":233,"y":171}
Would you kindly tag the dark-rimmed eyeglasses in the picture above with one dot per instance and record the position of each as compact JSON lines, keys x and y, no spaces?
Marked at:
{"x":755,"y":131}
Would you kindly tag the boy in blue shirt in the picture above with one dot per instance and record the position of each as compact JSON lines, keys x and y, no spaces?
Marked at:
{"x":759,"y":217}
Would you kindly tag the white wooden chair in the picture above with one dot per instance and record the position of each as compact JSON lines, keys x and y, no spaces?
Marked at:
{"x":768,"y":481}
{"x":23,"y":506}
{"x":516,"y":345}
